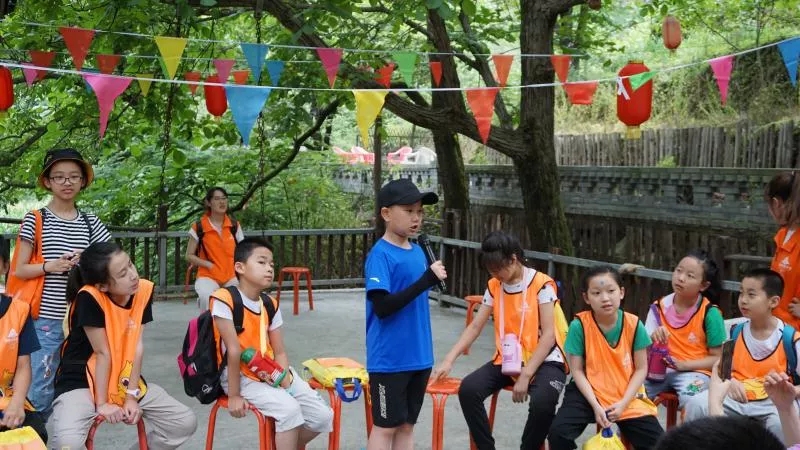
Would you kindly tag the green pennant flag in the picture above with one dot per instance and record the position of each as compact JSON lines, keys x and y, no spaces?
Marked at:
{"x":407,"y":64}
{"x":640,"y":79}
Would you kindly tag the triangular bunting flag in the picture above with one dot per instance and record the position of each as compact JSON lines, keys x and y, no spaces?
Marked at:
{"x":194,"y":78}
{"x":255,"y":55}
{"x":41,"y":59}
{"x":240,"y":76}
{"x":384,"y":77}
{"x":78,"y":42}
{"x":481,"y":102}
{"x":246,"y":104}
{"x":790,"y":51}
{"x":722,"y":67}
{"x":275,"y":69}
{"x":581,"y":93}
{"x":640,"y":79}
{"x":171,"y":49}
{"x":561,"y":66}
{"x":330,"y":57}
{"x":502,"y":65}
{"x":89,"y":89}
{"x":406,"y":64}
{"x":107,"y":89}
{"x":30,"y":75}
{"x":144,"y":82}
{"x":368,"y":105}
{"x":107,"y":63}
{"x":224,"y":67}
{"x":436,"y":72}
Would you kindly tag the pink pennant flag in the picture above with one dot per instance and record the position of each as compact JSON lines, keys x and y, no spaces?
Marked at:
{"x":330,"y":57}
{"x":30,"y":75}
{"x":481,"y":102}
{"x":502,"y":65}
{"x":107,"y":89}
{"x":224,"y":67}
{"x":722,"y":68}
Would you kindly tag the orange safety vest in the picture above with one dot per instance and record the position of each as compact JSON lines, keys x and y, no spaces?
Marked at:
{"x":609,"y":369}
{"x":751,"y":372}
{"x":688,"y":343}
{"x":11,"y":323}
{"x":218,"y":248}
{"x":28,"y":290}
{"x":787,"y":263}
{"x":249,"y":337}
{"x":123,"y":331}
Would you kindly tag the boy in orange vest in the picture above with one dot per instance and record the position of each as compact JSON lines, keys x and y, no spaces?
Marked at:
{"x":17,"y":342}
{"x":762,"y":346}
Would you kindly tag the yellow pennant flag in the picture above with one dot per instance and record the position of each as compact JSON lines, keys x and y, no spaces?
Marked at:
{"x":368,"y":106}
{"x":171,"y":49}
{"x":144,"y":85}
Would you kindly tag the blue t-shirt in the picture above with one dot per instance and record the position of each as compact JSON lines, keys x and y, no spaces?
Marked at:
{"x":402,"y":341}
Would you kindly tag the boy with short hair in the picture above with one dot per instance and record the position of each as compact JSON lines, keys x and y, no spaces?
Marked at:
{"x":299,"y":412}
{"x":759,"y":350}
{"x":17,"y":342}
{"x":399,"y":340}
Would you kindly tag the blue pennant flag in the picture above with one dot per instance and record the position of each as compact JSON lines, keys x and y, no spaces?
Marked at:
{"x":790,"y":50}
{"x":275,"y":69}
{"x":255,"y":55}
{"x":246,"y":103}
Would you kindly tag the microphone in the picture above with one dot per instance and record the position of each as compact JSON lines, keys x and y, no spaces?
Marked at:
{"x":425,"y":243}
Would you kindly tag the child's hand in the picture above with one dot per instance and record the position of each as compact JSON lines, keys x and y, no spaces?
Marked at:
{"x":794,"y":307}
{"x":237,"y":406}
{"x":132,"y":411}
{"x":600,"y":417}
{"x":717,"y":391}
{"x":737,"y":391}
{"x":520,"y":393}
{"x":660,"y":336}
{"x":441,"y":371}
{"x":780,"y":389}
{"x":209,"y":265}
{"x":614,"y":412}
{"x":111,"y":412}
{"x":13,"y":416}
{"x":60,"y":265}
{"x":438,"y":269}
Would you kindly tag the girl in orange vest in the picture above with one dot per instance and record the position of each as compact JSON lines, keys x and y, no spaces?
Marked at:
{"x":783,"y":199}
{"x":210,"y":248}
{"x":607,"y":356}
{"x":690,"y":324}
{"x":101,"y":358}
{"x":511,"y":291}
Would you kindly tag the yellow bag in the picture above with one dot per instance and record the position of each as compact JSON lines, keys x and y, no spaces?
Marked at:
{"x":341,"y":374}
{"x":24,"y":438}
{"x":604,"y":440}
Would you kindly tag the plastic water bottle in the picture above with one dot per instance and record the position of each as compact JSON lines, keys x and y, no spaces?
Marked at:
{"x":512,"y":355}
{"x":263,"y":367}
{"x":656,"y":367}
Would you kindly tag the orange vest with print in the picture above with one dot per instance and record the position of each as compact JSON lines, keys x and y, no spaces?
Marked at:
{"x":11,"y":323}
{"x":512,"y":315}
{"x":217,"y":247}
{"x":609,"y":369}
{"x":249,"y":337}
{"x":688,"y":343}
{"x":787,"y":263}
{"x":751,"y":372}
{"x":123,"y":331}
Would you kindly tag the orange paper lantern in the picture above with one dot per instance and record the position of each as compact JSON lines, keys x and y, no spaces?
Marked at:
{"x":671,"y":33}
{"x":634,"y":107}
{"x":6,"y":91}
{"x":216,"y":101}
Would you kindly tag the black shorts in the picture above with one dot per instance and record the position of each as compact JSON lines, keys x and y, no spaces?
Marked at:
{"x":397,"y":397}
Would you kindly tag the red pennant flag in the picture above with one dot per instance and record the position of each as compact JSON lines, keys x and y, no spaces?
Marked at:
{"x":581,"y":93}
{"x":561,"y":66}
{"x":107,"y":63}
{"x":502,"y":65}
{"x":481,"y":102}
{"x":385,"y":75}
{"x":41,"y":59}
{"x":436,"y":72}
{"x":195,"y":77}
{"x":240,"y":76}
{"x":330,"y":57}
{"x":77,"y":41}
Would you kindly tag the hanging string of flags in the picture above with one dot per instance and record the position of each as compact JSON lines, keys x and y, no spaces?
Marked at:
{"x":247,"y":100}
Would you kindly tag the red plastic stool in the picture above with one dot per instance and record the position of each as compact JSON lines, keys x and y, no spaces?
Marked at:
{"x":99,"y":419}
{"x":492,"y":411}
{"x":439,"y":391}
{"x":296,"y":272}
{"x":472,"y":302}
{"x":670,"y":401}
{"x":187,"y":284}
{"x":336,"y":405}
{"x":266,"y":426}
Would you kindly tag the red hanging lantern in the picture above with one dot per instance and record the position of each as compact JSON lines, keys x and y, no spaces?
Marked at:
{"x":671,"y":33}
{"x":6,"y":91}
{"x":634,"y":107}
{"x":216,"y":102}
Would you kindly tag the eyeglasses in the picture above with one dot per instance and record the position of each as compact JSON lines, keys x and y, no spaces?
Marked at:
{"x":219,"y":199}
{"x":74,"y":179}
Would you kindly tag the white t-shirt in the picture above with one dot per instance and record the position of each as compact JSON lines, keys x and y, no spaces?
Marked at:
{"x":762,"y":349}
{"x":546,"y":295}
{"x":221,"y":310}
{"x":238,"y":236}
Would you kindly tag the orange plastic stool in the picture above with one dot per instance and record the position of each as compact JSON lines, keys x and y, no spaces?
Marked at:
{"x":99,"y":419}
{"x":439,"y":391}
{"x":670,"y":401}
{"x":472,"y":302}
{"x":296,"y":272}
{"x":266,"y":426}
{"x":492,"y":411}
{"x":336,"y":405}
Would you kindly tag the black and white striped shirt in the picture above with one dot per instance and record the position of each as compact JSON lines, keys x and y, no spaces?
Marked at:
{"x":60,"y":236}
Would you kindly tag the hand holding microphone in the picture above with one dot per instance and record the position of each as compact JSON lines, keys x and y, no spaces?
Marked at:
{"x":436,"y":266}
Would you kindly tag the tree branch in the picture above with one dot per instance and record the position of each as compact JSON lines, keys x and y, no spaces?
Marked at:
{"x":409,"y":23}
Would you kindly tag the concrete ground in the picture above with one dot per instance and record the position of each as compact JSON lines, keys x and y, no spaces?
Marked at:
{"x":334,"y":328}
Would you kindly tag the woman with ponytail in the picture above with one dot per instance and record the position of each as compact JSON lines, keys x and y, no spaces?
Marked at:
{"x":782,"y":195}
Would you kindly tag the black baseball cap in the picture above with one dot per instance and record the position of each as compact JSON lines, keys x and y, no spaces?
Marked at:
{"x":66,"y":154}
{"x":404,"y":192}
